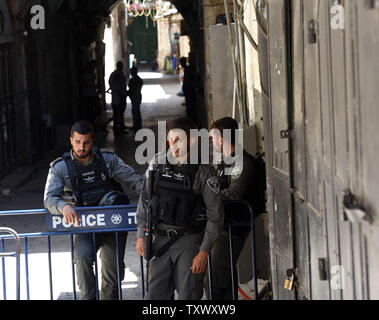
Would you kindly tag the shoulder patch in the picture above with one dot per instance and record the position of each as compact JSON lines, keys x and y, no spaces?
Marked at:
{"x":236,"y":172}
{"x":214,"y":184}
{"x":55,"y":162}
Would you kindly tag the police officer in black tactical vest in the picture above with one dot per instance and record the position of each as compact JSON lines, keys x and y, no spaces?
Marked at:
{"x":239,"y":180}
{"x":187,"y":215}
{"x":86,"y":177}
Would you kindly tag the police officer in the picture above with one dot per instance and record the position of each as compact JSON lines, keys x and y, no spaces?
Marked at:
{"x":235,"y":185}
{"x":135,"y":88}
{"x":188,"y":215}
{"x":85,"y":177}
{"x":117,"y":83}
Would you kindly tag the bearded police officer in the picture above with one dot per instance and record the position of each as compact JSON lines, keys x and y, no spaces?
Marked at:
{"x":236,"y":184}
{"x":188,"y":216}
{"x":86,"y":177}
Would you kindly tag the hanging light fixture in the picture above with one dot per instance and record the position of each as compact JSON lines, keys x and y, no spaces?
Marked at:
{"x":141,"y":8}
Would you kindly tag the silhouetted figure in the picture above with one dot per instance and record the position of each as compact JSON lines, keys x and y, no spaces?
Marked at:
{"x":117,"y":83}
{"x":189,"y":88}
{"x":90,"y":107}
{"x":135,"y":95}
{"x":154,"y":67}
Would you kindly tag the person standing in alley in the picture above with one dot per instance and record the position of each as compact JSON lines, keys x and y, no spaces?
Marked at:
{"x":90,"y":107}
{"x":181,"y":76}
{"x":117,"y":83}
{"x":189,"y":87}
{"x":135,"y":95}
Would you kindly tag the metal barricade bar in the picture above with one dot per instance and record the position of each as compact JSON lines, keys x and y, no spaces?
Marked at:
{"x":71,"y":233}
{"x":12,"y":254}
{"x":253,"y":243}
{"x":72,"y":266}
{"x":251,"y":224}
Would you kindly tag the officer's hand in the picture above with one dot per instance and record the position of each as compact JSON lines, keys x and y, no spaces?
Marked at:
{"x":140,"y":246}
{"x":199,"y":263}
{"x":70,"y":215}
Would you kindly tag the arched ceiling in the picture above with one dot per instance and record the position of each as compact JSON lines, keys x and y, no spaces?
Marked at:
{"x":93,"y":12}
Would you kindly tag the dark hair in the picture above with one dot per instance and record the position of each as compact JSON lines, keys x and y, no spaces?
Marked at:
{"x":227,"y":123}
{"x":182,"y":123}
{"x":183,"y":61}
{"x":120,"y":65}
{"x":83,"y":127}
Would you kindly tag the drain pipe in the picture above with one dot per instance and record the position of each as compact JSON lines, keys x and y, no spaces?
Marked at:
{"x":232,"y":47}
{"x":241,"y":62}
{"x":239,"y":65}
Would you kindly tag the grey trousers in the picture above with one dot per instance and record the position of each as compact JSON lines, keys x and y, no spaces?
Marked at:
{"x":221,"y":267}
{"x":84,"y":257}
{"x":172,"y":271}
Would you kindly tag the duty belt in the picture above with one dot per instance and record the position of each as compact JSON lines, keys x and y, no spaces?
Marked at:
{"x":173,"y":235}
{"x":170,"y":233}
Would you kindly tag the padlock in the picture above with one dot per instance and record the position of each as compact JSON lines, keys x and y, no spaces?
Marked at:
{"x":289,"y":282}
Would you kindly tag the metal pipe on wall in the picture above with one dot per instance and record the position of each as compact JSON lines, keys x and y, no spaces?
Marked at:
{"x":232,"y":48}
{"x":239,"y":71}
{"x":241,"y":47}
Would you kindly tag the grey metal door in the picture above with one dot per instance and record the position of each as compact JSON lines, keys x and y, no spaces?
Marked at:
{"x":273,"y":60}
{"x":311,"y":146}
{"x":334,"y":139}
{"x":338,"y":232}
{"x":320,"y":155}
{"x":323,"y":87}
{"x":362,"y":95}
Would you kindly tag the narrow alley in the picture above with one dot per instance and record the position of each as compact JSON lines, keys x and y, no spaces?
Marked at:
{"x":294,"y":83}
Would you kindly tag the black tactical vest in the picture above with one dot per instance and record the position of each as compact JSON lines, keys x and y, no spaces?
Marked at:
{"x":256,"y":190}
{"x":90,"y":183}
{"x":223,"y":179}
{"x":174,"y":201}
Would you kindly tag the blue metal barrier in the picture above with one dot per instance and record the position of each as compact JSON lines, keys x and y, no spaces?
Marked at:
{"x":113,"y":219}
{"x":15,"y":254}
{"x":94,"y":220}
